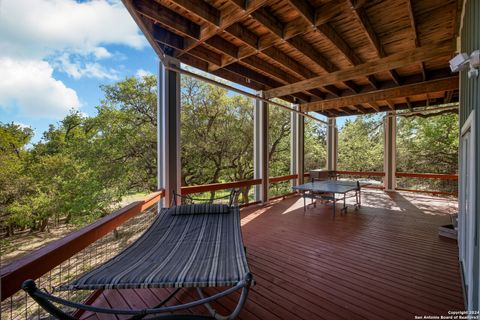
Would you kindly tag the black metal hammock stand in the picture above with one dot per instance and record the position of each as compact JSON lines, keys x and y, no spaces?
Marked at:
{"x":187,"y":246}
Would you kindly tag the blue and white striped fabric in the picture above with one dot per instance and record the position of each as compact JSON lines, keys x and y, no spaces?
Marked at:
{"x":201,"y":208}
{"x":178,"y":250}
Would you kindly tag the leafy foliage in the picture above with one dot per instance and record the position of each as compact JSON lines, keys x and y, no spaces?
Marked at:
{"x":360,"y":144}
{"x":84,"y":165}
{"x":315,"y":147}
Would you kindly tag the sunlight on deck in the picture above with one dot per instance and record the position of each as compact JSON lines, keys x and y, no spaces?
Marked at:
{"x":253,"y":215}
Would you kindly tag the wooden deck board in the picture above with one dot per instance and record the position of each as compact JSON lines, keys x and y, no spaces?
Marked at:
{"x":383,"y":261}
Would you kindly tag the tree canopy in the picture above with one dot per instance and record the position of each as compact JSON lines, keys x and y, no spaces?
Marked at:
{"x":84,"y":165}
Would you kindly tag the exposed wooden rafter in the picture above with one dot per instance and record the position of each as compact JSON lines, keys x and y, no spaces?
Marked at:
{"x":390,"y":104}
{"x":372,"y":37}
{"x":269,"y":21}
{"x":405,"y":91}
{"x":296,"y":59}
{"x":415,"y":35}
{"x":390,"y":62}
{"x":331,"y":35}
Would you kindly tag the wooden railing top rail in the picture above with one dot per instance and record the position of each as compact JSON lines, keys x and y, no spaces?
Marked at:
{"x":441,"y":176}
{"x":433,"y":192}
{"x":362,"y":173}
{"x":235,"y":184}
{"x":282,"y":178}
{"x":219,"y":186}
{"x":39,"y":262}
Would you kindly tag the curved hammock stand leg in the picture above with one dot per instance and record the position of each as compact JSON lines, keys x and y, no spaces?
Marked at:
{"x":45,"y":300}
{"x":236,"y":311}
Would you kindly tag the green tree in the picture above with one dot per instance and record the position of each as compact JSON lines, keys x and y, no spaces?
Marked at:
{"x":216,"y":135}
{"x":315,"y":147}
{"x":360,"y":144}
{"x":14,"y":183}
{"x":428,"y":145}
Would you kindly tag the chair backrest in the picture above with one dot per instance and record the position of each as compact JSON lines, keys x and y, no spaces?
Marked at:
{"x":319,"y":175}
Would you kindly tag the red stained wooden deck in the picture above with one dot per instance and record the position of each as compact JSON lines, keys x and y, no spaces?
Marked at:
{"x":384,"y":261}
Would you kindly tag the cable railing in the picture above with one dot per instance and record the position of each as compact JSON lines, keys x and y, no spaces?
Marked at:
{"x":84,"y":249}
{"x":411,"y":181}
{"x":71,"y":256}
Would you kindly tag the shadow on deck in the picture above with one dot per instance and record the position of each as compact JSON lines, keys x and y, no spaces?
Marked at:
{"x":384,"y":261}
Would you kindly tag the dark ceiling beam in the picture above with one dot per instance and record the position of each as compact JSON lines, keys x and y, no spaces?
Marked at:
{"x":162,"y":35}
{"x":337,"y":41}
{"x":207,"y":55}
{"x":243,"y":34}
{"x":296,"y":67}
{"x":223,"y":45}
{"x":235,"y":77}
{"x":200,"y":9}
{"x":409,"y":104}
{"x":306,"y":10}
{"x":310,"y":52}
{"x":415,"y":35}
{"x":393,"y":61}
{"x":169,"y":19}
{"x":372,"y":37}
{"x":228,"y":16}
{"x":405,"y":91}
{"x":373,"y":105}
{"x":390,"y":104}
{"x":244,"y":71}
{"x":291,"y":29}
{"x":330,"y":34}
{"x":251,"y":40}
{"x":267,"y":19}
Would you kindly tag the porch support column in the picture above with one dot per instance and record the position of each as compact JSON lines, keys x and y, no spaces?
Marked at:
{"x":297,"y":146}
{"x":293,"y":145}
{"x":260,"y":150}
{"x":389,"y":154}
{"x":332,"y":145}
{"x":168,"y":131}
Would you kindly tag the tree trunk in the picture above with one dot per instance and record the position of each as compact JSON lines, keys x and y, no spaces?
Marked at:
{"x":43,"y":224}
{"x":245,"y":191}
{"x":212,"y":196}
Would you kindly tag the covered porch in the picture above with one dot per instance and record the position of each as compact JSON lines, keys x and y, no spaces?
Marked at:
{"x":384,"y":261}
{"x":324,"y":59}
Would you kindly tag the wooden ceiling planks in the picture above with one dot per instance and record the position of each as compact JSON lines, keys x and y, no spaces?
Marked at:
{"x":279,"y":46}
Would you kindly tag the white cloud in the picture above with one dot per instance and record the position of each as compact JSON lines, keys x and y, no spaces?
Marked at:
{"x":22,"y":125}
{"x":29,"y":85}
{"x":36,"y":29}
{"x":142,"y":73}
{"x":76,"y":67}
{"x":38,"y":37}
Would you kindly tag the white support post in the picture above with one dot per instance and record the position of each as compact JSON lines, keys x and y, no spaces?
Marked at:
{"x":261,"y":160}
{"x":168,"y":131}
{"x":389,"y":155}
{"x":332,"y":145}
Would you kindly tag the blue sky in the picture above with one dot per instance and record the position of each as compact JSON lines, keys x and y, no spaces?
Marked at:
{"x":61,"y":52}
{"x":54,"y":55}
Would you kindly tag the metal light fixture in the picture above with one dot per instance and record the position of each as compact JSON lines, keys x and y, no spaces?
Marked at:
{"x":463,"y":62}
